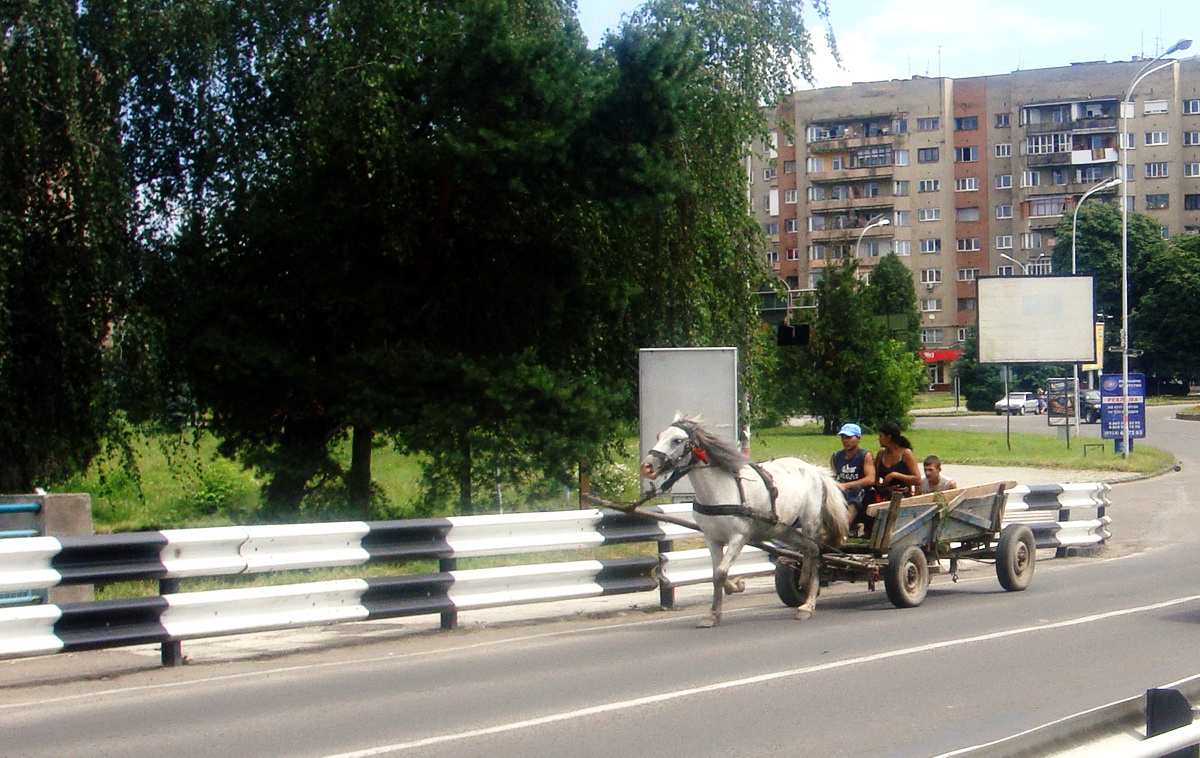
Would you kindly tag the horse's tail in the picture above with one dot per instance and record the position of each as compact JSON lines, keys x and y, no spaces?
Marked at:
{"x":834,"y":517}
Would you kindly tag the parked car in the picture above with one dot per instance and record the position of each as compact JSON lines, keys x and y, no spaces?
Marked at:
{"x":1089,"y":406}
{"x":1019,"y":403}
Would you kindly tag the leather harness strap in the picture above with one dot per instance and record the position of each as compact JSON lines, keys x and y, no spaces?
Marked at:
{"x":741,"y":509}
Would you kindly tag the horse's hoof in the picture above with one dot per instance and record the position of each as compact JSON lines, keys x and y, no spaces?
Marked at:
{"x":707,"y":622}
{"x":803,"y":614}
{"x":733,"y":587}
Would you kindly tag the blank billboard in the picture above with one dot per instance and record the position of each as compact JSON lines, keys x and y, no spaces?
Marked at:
{"x":1036,"y":319}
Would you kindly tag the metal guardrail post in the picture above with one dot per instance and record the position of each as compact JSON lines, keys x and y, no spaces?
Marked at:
{"x":172,"y":651}
{"x":666,"y":593}
{"x":1167,"y":710}
{"x":449,"y":618}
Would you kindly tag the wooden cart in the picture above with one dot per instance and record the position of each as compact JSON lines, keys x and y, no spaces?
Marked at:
{"x":912,"y":536}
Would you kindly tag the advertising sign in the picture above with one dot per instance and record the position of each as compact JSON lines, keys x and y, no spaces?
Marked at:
{"x":1112,"y":406}
{"x":1061,"y":396}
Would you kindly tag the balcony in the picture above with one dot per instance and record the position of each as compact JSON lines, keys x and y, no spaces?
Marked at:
{"x":850,"y":232}
{"x":1099,"y":155}
{"x":847,"y":174}
{"x":845,"y":144}
{"x":854,"y":203}
{"x":1100,"y":124}
{"x":1048,"y":159}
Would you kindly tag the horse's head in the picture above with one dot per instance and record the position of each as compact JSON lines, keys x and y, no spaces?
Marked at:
{"x":675,"y":449}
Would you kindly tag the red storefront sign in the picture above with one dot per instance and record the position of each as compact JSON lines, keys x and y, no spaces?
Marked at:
{"x":936,"y":356}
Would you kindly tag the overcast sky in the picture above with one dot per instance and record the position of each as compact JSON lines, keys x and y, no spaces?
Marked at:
{"x":894,"y":39}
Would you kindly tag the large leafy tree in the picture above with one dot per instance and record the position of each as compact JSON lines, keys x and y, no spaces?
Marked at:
{"x":1098,"y":254}
{"x":893,"y":299}
{"x":1172,"y":288}
{"x":63,"y":245}
{"x":852,"y":369}
{"x":449,"y":224}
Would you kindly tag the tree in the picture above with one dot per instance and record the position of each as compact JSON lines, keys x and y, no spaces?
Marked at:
{"x":852,"y":370}
{"x":1098,"y":254}
{"x":979,"y":383}
{"x":894,"y":298}
{"x":1172,"y":288}
{"x":64,"y":253}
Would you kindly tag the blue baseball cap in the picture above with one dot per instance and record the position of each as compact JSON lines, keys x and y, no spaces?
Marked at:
{"x":850,"y":430}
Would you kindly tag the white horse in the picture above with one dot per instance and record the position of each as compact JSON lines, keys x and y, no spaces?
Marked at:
{"x":738,"y":502}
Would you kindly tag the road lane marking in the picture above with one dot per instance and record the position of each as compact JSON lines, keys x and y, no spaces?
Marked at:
{"x":622,"y":705}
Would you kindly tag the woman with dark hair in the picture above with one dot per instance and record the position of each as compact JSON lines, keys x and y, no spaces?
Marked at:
{"x":896,"y":467}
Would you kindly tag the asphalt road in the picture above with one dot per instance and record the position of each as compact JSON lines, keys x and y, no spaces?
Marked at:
{"x":972,"y":664}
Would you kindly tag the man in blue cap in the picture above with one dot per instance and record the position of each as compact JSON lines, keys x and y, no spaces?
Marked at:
{"x":854,"y":469}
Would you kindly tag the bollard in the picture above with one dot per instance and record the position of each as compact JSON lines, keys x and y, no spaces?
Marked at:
{"x":666,"y":593}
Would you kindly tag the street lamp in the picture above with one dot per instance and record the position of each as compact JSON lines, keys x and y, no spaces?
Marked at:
{"x":1106,"y":184}
{"x":1024,"y":268}
{"x":1126,"y":106}
{"x":880,"y":220}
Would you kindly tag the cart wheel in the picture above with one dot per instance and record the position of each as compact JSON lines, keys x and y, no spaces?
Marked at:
{"x":787,"y":585}
{"x":1016,"y":554}
{"x":907,"y":577}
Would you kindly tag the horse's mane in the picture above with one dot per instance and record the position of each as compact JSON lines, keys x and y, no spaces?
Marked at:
{"x":720,"y":452}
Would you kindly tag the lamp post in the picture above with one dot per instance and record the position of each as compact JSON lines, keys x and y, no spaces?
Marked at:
{"x":1024,"y":268}
{"x":1126,"y":106}
{"x":880,"y":220}
{"x":1106,"y":184}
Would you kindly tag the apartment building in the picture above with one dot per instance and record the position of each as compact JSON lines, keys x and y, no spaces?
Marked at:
{"x":969,"y":177}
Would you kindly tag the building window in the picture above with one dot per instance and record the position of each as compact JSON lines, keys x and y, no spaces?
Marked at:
{"x":789,"y":196}
{"x":966,"y":154}
{"x":816,"y":252}
{"x":1004,"y":150}
{"x":1166,"y":232}
{"x":773,"y":257}
{"x":1152,"y":107}
{"x":789,"y":167}
{"x":1191,"y":169}
{"x":1157,"y":202}
{"x":770,"y":173}
{"x":792,"y":254}
{"x":931,"y":276}
{"x":1058,"y":176}
{"x":1042,"y":144}
{"x":928,"y":124}
{"x":1004,"y":271}
{"x":1191,"y":107}
{"x":929,"y":185}
{"x":900,"y":188}
{"x":962,"y":333}
{"x":1191,"y":202}
{"x":900,"y":157}
{"x":900,"y":126}
{"x":968,"y":244}
{"x":1004,"y":242}
{"x":966,"y":124}
{"x":1003,"y":181}
{"x":902,"y":247}
{"x":879,"y":155}
{"x":1091,"y":174}
{"x":902,"y":218}
{"x":1156,"y":170}
{"x":966,"y":215}
{"x":1155,"y":138}
{"x":1191,"y":138}
{"x":816,"y":223}
{"x":966,"y":304}
{"x":1031,"y":178}
{"x":1002,"y":121}
{"x":837,"y":162}
{"x":929,"y":214}
{"x":791,"y":226}
{"x":1003,"y":211}
{"x":931,"y":336}
{"x":869,"y":249}
{"x":968,"y":274}
{"x":1041,"y":267}
{"x":931,"y":304}
{"x":928,"y":155}
{"x":966,"y":184}
{"x":772,"y":229}
{"x":1047,"y":206}
{"x":931,"y":245}
{"x":1031,"y":241}
{"x":815,"y":165}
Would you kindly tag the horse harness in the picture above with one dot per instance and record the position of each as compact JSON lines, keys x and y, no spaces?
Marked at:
{"x":740,"y":509}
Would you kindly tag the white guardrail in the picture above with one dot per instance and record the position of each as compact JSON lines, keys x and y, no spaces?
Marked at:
{"x":1060,"y":516}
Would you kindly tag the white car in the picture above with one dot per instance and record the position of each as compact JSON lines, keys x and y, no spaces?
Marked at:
{"x":1017,"y":402}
